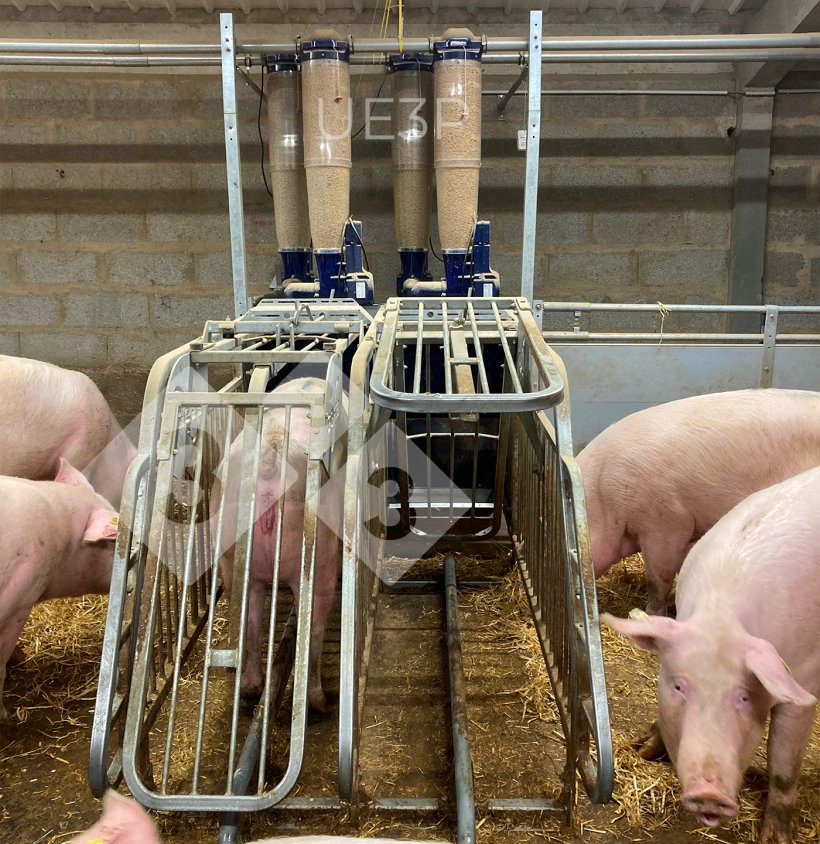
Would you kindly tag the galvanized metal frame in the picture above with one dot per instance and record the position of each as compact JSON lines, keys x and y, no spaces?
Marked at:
{"x":533,"y":156}
{"x":233,"y":161}
{"x":747,"y":254}
{"x":560,"y":581}
{"x":178,"y":390}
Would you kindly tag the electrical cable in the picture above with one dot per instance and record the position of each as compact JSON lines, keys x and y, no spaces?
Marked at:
{"x":259,"y":129}
{"x":378,"y":93}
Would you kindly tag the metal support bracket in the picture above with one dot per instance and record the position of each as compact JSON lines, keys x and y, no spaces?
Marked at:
{"x":504,"y":99}
{"x":769,"y":346}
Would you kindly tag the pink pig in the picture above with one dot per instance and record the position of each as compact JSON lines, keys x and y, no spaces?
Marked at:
{"x":268,"y":493}
{"x":124,"y":822}
{"x":746,"y":643}
{"x":657,"y":480}
{"x":47,"y":413}
{"x":57,"y":542}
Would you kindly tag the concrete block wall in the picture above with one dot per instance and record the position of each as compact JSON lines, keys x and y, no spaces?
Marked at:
{"x":792,"y":269}
{"x":114,"y":241}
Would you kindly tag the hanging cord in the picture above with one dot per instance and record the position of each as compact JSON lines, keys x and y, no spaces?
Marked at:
{"x":259,"y":129}
{"x":664,"y":312}
{"x":433,"y":250}
{"x":378,"y":93}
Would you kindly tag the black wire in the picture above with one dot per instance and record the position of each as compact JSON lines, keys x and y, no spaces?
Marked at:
{"x":361,"y":128}
{"x":438,"y":257}
{"x":259,"y":129}
{"x":364,"y":251}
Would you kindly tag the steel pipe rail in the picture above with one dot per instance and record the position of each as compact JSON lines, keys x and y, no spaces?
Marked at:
{"x":632,"y":57}
{"x":568,"y":44}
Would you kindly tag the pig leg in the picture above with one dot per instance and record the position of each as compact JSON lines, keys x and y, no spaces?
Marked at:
{"x":650,"y":745}
{"x":252,"y":680}
{"x":10,"y":631}
{"x":662,"y":560}
{"x":789,"y":733}
{"x":322,"y":605}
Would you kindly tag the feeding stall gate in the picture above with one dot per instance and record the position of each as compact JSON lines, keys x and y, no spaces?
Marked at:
{"x":465,"y":403}
{"x":173,"y":640}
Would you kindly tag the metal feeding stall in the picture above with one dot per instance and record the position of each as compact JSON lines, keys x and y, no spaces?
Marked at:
{"x":175,"y":641}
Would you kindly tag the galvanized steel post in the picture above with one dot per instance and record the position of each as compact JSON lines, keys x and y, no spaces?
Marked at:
{"x":234,"y":164}
{"x":533,"y":144}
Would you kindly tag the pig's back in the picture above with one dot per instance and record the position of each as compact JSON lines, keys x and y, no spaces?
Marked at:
{"x":705,"y":452}
{"x":761,"y":562}
{"x":47,"y":412}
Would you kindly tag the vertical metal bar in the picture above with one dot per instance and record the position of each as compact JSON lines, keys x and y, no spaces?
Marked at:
{"x":750,"y":208}
{"x":769,"y":346}
{"x":445,"y":335}
{"x":233,"y":163}
{"x":277,"y":565}
{"x":419,"y":350}
{"x":206,"y":669}
{"x":533,"y":145}
{"x":250,"y":756}
{"x":462,"y":761}
{"x":478,"y":351}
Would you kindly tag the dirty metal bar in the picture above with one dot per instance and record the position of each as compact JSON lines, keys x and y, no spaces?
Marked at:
{"x":249,"y":758}
{"x":189,"y":582}
{"x":462,"y":370}
{"x":234,"y":164}
{"x":533,"y":146}
{"x":524,"y":805}
{"x":462,"y":761}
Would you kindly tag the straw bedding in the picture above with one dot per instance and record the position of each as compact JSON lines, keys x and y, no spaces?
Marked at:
{"x":51,"y":695}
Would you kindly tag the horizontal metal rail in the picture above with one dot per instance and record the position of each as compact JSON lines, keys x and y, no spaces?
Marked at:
{"x":605,"y":43}
{"x":769,"y":54}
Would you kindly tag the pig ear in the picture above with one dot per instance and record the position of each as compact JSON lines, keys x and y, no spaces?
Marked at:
{"x":763,"y":660}
{"x":102,"y":524}
{"x":652,"y":633}
{"x":67,"y":474}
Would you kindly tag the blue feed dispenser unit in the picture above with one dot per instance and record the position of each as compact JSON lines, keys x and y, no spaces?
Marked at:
{"x":327,"y":117}
{"x":465,"y":241}
{"x":412,"y":154}
{"x":288,"y":185}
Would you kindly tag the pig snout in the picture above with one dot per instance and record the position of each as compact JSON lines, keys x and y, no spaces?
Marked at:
{"x":708,"y":803}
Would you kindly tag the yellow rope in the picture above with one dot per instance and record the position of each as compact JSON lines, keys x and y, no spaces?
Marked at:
{"x":664,"y":312}
{"x":401,"y":26}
